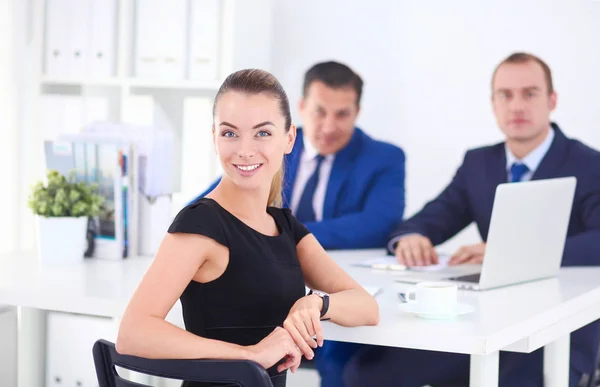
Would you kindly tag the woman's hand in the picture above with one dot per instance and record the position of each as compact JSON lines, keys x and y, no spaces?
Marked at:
{"x":303,"y":322}
{"x":278,"y":345}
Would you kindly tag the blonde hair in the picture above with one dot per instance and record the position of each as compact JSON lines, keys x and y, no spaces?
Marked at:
{"x":275,"y":196}
{"x":255,"y":81}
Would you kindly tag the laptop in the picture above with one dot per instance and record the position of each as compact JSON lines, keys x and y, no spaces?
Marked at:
{"x":525,"y":241}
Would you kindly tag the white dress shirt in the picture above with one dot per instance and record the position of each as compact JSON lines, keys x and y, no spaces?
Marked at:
{"x":533,"y":158}
{"x":532,"y":161}
{"x":306,"y":167}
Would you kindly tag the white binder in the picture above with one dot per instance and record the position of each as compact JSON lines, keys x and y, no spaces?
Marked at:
{"x":172,"y":38}
{"x":57,"y":43}
{"x":160,"y":39}
{"x":204,"y":29}
{"x":79,"y":36}
{"x":102,"y":50}
{"x":146,"y":64}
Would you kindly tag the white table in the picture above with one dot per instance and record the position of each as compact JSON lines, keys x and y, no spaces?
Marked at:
{"x":519,"y":318}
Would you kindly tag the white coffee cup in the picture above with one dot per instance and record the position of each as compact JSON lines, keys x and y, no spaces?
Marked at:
{"x":434,"y":297}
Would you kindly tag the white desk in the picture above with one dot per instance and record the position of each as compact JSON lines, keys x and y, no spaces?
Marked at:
{"x":519,"y":318}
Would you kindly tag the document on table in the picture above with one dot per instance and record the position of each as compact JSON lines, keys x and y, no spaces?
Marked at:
{"x":387,"y":262}
{"x":443,"y":260}
{"x":382,"y":263}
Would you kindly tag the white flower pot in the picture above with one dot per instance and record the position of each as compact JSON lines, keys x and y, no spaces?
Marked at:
{"x":61,"y":240}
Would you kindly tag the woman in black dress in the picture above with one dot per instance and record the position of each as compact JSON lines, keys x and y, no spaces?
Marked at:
{"x":239,"y":263}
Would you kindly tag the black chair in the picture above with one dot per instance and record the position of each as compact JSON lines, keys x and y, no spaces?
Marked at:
{"x":243,"y":373}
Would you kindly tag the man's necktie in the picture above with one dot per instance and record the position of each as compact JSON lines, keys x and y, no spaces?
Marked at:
{"x":305,"y":211}
{"x":517,"y":170}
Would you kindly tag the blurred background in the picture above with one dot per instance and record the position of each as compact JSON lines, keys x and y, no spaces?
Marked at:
{"x":427,"y":67}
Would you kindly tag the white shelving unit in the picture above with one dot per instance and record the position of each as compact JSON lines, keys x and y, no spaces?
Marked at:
{"x":243,"y":40}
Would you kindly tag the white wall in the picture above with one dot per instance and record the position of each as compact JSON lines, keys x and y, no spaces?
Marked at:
{"x":8,"y":132}
{"x":427,"y":67}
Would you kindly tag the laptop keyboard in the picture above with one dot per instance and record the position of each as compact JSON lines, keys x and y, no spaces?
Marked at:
{"x":468,"y":278}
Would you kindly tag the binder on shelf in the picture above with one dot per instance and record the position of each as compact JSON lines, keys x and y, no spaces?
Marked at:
{"x":57,"y":41}
{"x":102,"y":45}
{"x":147,"y":49}
{"x":80,"y":38}
{"x":78,"y":19}
{"x":160,"y":39}
{"x":172,"y":38}
{"x":204,"y":40}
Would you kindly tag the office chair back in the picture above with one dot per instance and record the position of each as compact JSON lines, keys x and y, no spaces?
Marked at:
{"x":243,"y":373}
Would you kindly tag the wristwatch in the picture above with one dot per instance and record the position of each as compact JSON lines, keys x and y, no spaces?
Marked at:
{"x":325,"y":297}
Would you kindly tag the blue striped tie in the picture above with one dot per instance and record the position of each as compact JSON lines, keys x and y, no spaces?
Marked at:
{"x":517,"y":170}
{"x":306,"y":211}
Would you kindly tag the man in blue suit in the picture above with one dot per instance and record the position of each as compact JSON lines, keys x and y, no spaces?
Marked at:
{"x":523,"y":98}
{"x":346,"y":187}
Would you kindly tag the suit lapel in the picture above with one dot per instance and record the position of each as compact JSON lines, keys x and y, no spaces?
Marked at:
{"x":553,"y":159}
{"x":496,"y":166}
{"x":485,"y":190}
{"x":342,"y":166}
{"x":291,"y":162}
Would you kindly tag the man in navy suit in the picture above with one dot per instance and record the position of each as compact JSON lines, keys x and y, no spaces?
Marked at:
{"x":346,"y":187}
{"x":523,"y":98}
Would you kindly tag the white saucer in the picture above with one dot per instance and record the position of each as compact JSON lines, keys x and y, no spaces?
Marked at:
{"x":414,"y":308}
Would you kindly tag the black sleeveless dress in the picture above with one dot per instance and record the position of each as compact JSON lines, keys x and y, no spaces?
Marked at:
{"x":259,"y":286}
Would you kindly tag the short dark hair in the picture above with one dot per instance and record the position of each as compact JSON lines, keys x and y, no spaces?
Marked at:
{"x":523,"y":57}
{"x":335,"y":75}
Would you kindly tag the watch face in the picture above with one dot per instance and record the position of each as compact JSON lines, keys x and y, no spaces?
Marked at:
{"x":319,"y":293}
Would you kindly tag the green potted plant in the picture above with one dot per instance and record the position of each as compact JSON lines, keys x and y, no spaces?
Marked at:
{"x":62,"y":207}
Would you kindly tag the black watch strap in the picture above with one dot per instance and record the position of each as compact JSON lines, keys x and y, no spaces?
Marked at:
{"x":325,"y":298}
